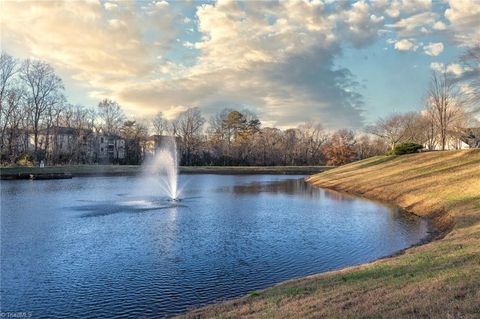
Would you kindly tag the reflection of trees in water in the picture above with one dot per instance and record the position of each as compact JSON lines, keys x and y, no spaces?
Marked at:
{"x":289,"y":187}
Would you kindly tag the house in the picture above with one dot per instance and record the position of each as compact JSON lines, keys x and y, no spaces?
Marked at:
{"x":471,"y":137}
{"x":67,"y":144}
{"x":109,"y":148}
{"x":460,"y":139}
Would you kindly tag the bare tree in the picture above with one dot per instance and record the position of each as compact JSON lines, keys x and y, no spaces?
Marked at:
{"x":111,"y":116}
{"x":367,"y":146}
{"x":44,"y":89}
{"x":160,"y":124}
{"x":312,"y":138}
{"x":7,"y":109}
{"x":8,"y":68}
{"x":188,"y":126}
{"x":12,"y":121}
{"x":391,"y":128}
{"x":444,"y":102}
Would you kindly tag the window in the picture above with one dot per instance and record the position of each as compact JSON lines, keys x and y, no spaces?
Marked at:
{"x":101,"y":141}
{"x":101,"y":149}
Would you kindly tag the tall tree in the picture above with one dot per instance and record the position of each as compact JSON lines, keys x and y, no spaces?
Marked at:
{"x":188,"y":126}
{"x":392,"y":129}
{"x":134,"y":134}
{"x":444,"y":102}
{"x":44,"y":90}
{"x":8,"y":68}
{"x":160,"y":124}
{"x":111,"y":116}
{"x":341,"y":148}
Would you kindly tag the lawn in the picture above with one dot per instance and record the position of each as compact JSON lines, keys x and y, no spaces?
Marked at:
{"x":440,"y":279}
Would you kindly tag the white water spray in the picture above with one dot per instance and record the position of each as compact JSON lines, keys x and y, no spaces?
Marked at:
{"x":162,"y":169}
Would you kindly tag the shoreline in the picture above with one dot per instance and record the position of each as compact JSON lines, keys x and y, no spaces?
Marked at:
{"x":432,"y":235}
{"x":16,"y":173}
{"x":433,"y":232}
{"x":448,"y":257}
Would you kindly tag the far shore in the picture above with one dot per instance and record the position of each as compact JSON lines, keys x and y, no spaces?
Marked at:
{"x":12,"y":173}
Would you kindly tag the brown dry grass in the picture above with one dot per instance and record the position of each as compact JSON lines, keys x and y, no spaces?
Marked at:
{"x":440,"y":279}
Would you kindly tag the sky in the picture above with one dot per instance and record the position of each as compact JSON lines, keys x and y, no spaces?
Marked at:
{"x":340,"y":63}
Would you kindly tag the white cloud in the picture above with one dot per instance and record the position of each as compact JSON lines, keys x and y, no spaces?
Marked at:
{"x":439,"y":25}
{"x":433,"y":49}
{"x":188,"y":44}
{"x":437,"y":66}
{"x":412,"y":25}
{"x":455,"y":69}
{"x":161,"y":4}
{"x":405,"y":45}
{"x":464,"y":17}
{"x":407,"y":6}
{"x":277,"y":56}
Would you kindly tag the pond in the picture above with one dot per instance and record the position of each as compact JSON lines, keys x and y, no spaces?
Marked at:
{"x":103,"y":247}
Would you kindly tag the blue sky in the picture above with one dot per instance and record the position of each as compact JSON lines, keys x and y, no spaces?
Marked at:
{"x":340,"y":63}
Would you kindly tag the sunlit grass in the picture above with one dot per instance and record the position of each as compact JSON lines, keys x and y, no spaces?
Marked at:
{"x":440,"y":279}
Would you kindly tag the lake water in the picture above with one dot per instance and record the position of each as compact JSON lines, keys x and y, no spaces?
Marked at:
{"x":103,"y":247}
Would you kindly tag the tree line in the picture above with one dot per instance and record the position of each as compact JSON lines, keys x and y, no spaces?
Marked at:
{"x":33,"y":108}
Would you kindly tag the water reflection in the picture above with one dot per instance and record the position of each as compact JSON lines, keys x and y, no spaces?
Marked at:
{"x":294,"y":187}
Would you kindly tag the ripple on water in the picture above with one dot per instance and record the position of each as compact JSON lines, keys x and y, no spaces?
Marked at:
{"x":90,"y":248}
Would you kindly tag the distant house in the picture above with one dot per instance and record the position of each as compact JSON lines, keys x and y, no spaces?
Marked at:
{"x":460,"y":140}
{"x":109,"y":148}
{"x":67,"y":144}
{"x":471,"y":137}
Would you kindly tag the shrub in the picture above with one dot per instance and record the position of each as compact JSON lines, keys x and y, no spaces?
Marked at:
{"x":405,"y":148}
{"x":24,"y":159}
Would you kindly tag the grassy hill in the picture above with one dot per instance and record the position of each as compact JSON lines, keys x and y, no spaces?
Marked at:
{"x":440,"y":279}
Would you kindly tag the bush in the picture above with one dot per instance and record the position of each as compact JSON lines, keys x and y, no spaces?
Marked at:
{"x":24,"y":160}
{"x":405,"y":148}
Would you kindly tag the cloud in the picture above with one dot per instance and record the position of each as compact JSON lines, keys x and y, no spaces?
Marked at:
{"x":437,"y":66}
{"x":405,"y":45}
{"x":412,"y":25}
{"x":359,"y":25}
{"x":278,"y":57}
{"x":407,"y":6}
{"x":282,"y":67}
{"x":464,"y":17}
{"x":161,"y":4}
{"x":433,"y":49}
{"x":100,"y":46}
{"x":439,"y":25}
{"x":454,"y":69}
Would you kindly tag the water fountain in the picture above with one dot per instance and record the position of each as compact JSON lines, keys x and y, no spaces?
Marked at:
{"x":162,"y":169}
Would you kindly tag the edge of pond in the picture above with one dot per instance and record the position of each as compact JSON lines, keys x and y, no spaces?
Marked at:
{"x":433,"y":233}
